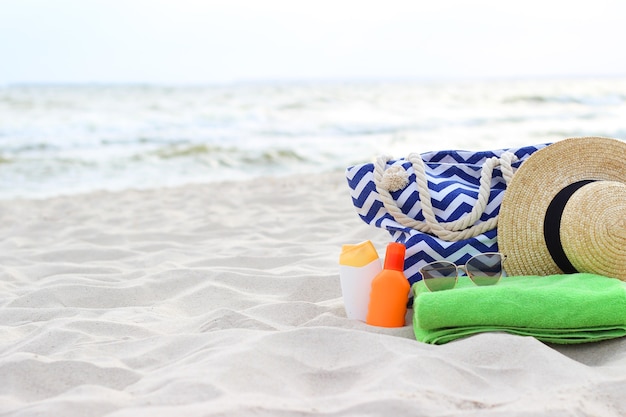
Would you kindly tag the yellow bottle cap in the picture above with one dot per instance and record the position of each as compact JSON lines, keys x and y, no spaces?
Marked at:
{"x":358,"y":255}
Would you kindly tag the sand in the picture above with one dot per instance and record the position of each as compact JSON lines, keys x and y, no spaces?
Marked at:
{"x":224,"y":300}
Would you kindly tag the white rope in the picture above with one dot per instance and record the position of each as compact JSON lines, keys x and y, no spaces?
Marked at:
{"x":463,"y":228}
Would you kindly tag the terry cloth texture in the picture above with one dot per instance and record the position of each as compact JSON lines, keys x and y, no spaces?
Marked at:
{"x":570,"y":308}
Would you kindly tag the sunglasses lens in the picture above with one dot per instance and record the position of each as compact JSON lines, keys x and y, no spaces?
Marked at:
{"x":439,"y":276}
{"x":485,"y":269}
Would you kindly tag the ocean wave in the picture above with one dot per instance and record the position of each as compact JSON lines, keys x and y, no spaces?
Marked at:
{"x":186,"y":150}
{"x":224,"y":154}
{"x":601,"y":100}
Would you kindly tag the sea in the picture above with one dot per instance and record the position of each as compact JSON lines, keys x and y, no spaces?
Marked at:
{"x":69,"y":139}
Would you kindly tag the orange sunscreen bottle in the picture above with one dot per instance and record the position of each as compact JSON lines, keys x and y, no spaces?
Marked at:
{"x":390,"y":290}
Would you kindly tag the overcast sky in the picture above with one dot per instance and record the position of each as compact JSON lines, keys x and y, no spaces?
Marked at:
{"x":211,"y":41}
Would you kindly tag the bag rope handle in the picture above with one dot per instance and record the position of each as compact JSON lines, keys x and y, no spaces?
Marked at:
{"x":462,"y":228}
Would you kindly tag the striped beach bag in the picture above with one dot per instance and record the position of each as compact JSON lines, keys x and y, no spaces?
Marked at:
{"x":443,"y":205}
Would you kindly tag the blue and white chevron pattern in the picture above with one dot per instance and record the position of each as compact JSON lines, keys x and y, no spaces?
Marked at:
{"x":454,"y":182}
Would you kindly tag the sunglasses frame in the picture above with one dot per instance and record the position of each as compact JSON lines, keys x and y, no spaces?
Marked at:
{"x":464,"y":268}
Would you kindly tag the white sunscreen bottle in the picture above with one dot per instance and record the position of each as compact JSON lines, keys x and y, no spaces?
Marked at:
{"x":358,"y":265}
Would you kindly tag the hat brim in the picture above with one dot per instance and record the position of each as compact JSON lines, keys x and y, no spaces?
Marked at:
{"x":536,"y":183}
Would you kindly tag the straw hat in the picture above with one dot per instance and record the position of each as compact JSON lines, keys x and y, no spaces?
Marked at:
{"x":565,"y":210}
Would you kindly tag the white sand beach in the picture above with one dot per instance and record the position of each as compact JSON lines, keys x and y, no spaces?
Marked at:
{"x":224,"y":300}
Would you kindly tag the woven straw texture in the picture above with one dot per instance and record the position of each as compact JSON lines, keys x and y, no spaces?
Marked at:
{"x":596,"y":242}
{"x":592,"y":228}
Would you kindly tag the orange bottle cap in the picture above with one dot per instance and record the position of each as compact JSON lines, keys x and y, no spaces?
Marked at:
{"x":394,"y":258}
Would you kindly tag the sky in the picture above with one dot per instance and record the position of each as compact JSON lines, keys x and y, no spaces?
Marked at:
{"x":226,"y":41}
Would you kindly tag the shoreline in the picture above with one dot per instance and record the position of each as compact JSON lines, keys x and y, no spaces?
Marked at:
{"x":218,"y":183}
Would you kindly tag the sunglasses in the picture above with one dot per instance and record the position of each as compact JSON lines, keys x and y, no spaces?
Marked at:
{"x":483,"y":269}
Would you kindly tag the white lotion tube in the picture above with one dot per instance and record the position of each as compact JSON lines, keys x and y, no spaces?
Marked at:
{"x":358,"y":265}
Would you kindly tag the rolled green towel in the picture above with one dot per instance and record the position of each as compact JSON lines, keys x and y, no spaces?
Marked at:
{"x":573,"y":308}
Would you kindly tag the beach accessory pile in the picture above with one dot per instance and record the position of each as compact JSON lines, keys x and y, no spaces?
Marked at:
{"x":441,"y":204}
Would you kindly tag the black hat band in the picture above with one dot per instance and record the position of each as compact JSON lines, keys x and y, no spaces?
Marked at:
{"x":552,"y":225}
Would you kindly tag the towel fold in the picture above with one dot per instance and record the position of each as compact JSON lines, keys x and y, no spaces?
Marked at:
{"x":572,"y":308}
